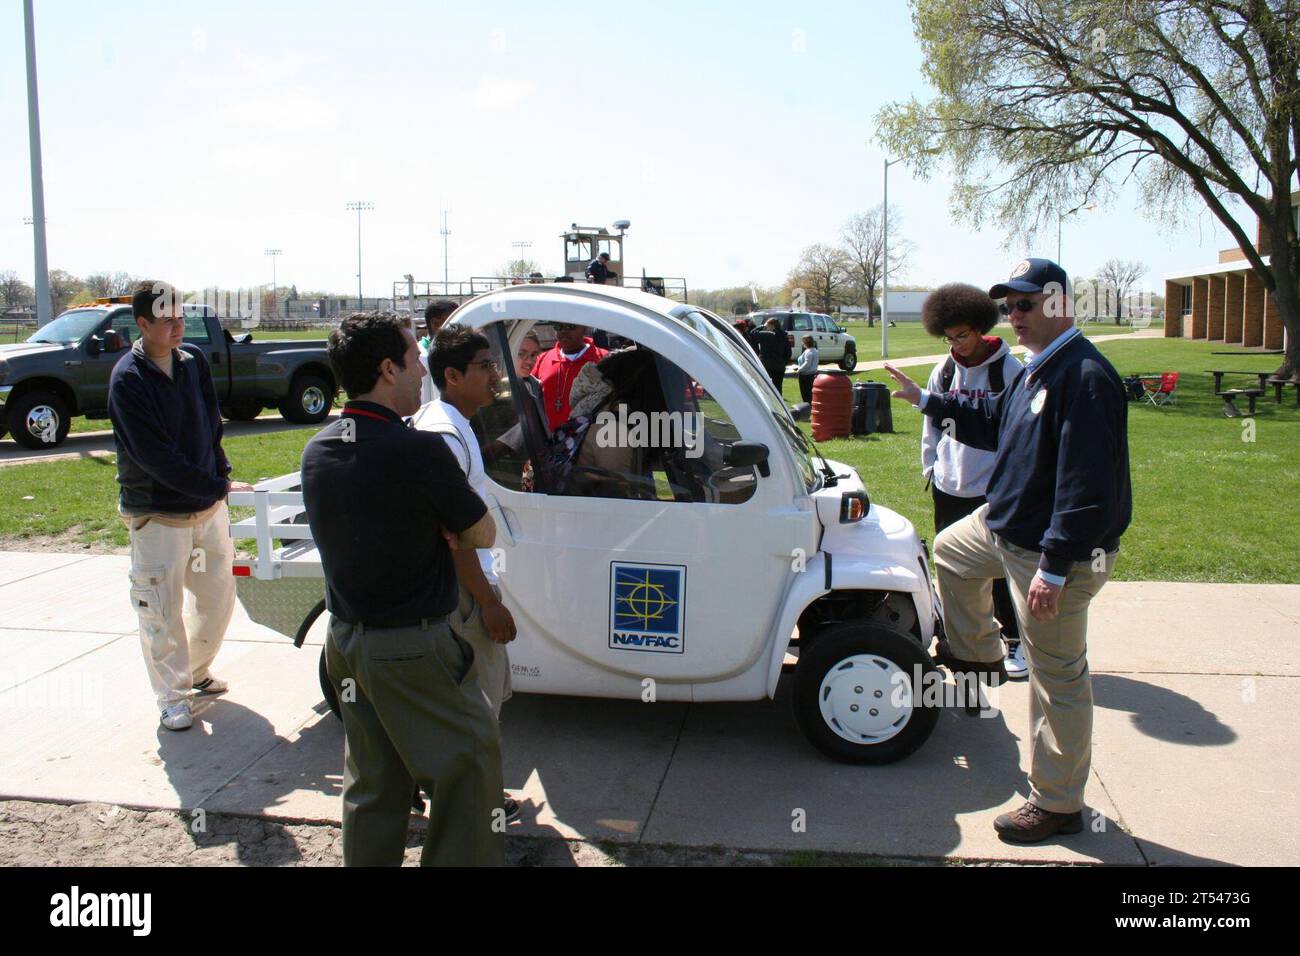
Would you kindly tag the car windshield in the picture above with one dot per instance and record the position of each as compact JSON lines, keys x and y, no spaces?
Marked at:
{"x":723,"y":342}
{"x":69,"y":327}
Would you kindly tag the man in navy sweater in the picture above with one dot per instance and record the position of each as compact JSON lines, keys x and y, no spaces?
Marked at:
{"x":1058,"y":501}
{"x":174,"y":480}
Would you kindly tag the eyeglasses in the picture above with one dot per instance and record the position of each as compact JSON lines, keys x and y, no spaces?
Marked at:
{"x":565,"y":327}
{"x":958,"y":339}
{"x":1020,"y":305}
{"x":528,"y":353}
{"x":488,"y":364}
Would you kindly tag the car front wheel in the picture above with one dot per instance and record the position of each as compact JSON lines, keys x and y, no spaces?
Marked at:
{"x":850,"y":360}
{"x":860,"y":693}
{"x":39,"y":420}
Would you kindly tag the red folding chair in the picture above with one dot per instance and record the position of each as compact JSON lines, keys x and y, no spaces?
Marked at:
{"x":1164,"y":393}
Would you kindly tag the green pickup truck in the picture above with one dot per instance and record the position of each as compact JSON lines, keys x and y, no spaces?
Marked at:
{"x":63,"y":370}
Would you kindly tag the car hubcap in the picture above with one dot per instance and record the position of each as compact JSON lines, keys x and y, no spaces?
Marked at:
{"x":43,"y":423}
{"x":313,"y":400}
{"x":866,"y":699}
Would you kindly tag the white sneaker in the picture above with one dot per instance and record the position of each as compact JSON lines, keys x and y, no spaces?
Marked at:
{"x":178,"y":716}
{"x":1014,"y":663}
{"x":211,"y":687}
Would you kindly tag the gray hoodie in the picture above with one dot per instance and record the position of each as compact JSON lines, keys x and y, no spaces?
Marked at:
{"x":957,"y":469}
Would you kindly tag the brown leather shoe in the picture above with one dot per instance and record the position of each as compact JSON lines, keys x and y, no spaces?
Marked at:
{"x":1031,"y":823}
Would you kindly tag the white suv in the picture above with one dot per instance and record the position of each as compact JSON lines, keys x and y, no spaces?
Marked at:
{"x":833,"y":343}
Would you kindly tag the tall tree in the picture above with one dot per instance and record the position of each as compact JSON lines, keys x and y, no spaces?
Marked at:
{"x":863,"y":242}
{"x":63,"y":286}
{"x":1121,"y":275}
{"x":109,"y":283}
{"x":1041,"y":102}
{"x":14,"y":290}
{"x":823,"y":275}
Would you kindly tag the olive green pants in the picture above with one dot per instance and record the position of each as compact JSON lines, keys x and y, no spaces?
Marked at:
{"x":413,"y":713}
{"x":968,"y":558}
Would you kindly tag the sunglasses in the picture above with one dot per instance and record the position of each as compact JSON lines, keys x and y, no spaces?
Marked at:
{"x":1020,"y":305}
{"x":565,"y":327}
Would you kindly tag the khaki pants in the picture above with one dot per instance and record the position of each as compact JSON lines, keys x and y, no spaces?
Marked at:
{"x":413,"y":713}
{"x":491,"y":659}
{"x":969,"y":557}
{"x":181,"y":633}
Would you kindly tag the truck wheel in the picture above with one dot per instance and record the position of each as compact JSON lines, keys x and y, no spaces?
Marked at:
{"x":327,"y":688}
{"x":850,"y":361}
{"x":39,"y":420}
{"x":308,"y":401}
{"x":855,"y":693}
{"x":242,"y":410}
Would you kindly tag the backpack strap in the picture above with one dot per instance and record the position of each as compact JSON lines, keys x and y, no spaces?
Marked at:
{"x":946,"y":375}
{"x":997,"y":378}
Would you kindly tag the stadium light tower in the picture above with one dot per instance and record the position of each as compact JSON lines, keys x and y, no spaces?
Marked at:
{"x":360,"y":207}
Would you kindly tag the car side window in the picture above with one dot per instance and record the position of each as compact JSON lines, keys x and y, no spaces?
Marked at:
{"x":123,"y":323}
{"x":196,"y":330}
{"x":824,"y":324}
{"x":802,"y":322}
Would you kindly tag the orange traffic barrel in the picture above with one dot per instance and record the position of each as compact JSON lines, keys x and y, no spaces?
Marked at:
{"x":832,"y":406}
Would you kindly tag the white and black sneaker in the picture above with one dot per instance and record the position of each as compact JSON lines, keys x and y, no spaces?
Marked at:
{"x":177,"y":716}
{"x":1014,"y":663}
{"x":211,"y":687}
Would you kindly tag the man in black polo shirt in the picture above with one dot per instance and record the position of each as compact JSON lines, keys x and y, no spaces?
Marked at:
{"x":377,"y":494}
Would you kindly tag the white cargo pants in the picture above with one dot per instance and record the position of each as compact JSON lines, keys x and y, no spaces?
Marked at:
{"x":181,"y":633}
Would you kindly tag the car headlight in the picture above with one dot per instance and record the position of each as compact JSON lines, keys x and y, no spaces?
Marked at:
{"x":854,"y":506}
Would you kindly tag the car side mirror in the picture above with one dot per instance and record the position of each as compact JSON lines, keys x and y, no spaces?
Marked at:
{"x":744,"y":454}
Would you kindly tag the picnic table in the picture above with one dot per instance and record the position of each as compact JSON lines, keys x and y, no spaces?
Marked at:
{"x":1230,"y":395}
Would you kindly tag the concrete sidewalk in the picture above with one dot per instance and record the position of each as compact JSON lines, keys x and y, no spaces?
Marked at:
{"x":1195,"y":760}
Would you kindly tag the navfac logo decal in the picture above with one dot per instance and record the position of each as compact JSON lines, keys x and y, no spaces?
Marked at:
{"x":647,"y":607}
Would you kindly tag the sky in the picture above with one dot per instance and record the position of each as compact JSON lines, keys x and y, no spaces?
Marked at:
{"x":182,"y":139}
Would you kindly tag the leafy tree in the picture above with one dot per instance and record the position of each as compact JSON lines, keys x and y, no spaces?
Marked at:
{"x":109,"y":283}
{"x":863,"y":242}
{"x":1041,"y":102}
{"x":823,"y":275}
{"x":517,"y":268}
{"x":63,"y":286}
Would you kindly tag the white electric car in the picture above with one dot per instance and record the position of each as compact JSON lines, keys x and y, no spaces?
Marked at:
{"x":693,"y":565}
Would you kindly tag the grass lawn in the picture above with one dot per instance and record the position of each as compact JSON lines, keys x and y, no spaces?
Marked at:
{"x":1208,"y":505}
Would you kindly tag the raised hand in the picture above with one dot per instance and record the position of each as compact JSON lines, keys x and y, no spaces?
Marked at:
{"x":908,"y":391}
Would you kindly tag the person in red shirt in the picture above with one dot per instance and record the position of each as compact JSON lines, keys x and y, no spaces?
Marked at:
{"x":559,"y":366}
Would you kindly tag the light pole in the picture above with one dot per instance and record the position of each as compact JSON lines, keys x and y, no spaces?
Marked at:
{"x":444,"y":232}
{"x":884,"y":271}
{"x":360,"y":207}
{"x":1090,"y":207}
{"x":38,"y":185}
{"x":275,"y":304}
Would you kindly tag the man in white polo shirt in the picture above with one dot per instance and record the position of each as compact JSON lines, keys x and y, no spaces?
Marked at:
{"x":466,"y":376}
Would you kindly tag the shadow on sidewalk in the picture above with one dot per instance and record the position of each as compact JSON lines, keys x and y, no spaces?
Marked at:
{"x":1161,"y":713}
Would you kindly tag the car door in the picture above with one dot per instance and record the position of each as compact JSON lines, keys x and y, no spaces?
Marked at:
{"x":198,"y":332}
{"x":95,"y":371}
{"x":830,"y":343}
{"x":611,"y":591}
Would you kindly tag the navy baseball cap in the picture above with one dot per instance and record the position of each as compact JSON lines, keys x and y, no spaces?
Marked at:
{"x":1032,"y":275}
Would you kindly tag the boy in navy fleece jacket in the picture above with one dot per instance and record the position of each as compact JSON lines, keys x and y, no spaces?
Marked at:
{"x":174,"y":480}
{"x":1058,"y":501}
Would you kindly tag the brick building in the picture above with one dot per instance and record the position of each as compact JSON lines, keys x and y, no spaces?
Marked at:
{"x":1227,"y":302}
